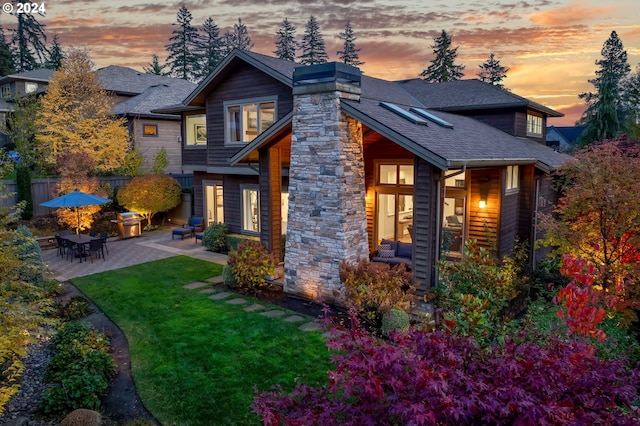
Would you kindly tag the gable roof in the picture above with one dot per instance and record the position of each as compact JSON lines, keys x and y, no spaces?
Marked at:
{"x":151,"y":98}
{"x":469,"y":94}
{"x":569,"y":133}
{"x":42,"y":75}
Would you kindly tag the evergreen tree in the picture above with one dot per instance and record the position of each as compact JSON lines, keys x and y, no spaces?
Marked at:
{"x":443,"y":67}
{"x":286,"y":44}
{"x":612,"y":69}
{"x":492,"y":72}
{"x":6,"y":57}
{"x":603,"y":122}
{"x":29,"y":43}
{"x":56,"y":55}
{"x":183,"y":59}
{"x":212,"y":50}
{"x":313,"y":50}
{"x":630,"y":98}
{"x":228,"y":42}
{"x":155,"y":67}
{"x":241,"y":39}
{"x":350,"y":54}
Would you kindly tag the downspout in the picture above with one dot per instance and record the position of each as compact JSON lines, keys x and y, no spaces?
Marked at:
{"x":439,"y":207}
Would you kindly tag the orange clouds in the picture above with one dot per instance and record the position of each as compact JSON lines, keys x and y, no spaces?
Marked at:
{"x":574,"y":13}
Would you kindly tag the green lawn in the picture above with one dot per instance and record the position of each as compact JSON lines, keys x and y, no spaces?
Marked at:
{"x":196,"y":361}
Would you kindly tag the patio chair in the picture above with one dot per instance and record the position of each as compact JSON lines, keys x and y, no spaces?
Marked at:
{"x":196,"y":224}
{"x":182,"y":232}
{"x":62,"y":246}
{"x":92,"y":232}
{"x":198,"y":236}
{"x":96,"y":246}
{"x":103,"y":237}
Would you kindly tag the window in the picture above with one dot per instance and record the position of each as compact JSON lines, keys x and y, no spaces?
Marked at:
{"x":512,"y":183}
{"x":30,"y":87}
{"x":457,"y":181}
{"x":395,"y":174}
{"x":214,"y":201}
{"x":195,"y":130}
{"x":394,"y":200}
{"x":150,"y":130}
{"x":250,"y":209}
{"x":244,"y":121}
{"x":534,"y":125}
{"x":6,"y":91}
{"x":284,"y":211}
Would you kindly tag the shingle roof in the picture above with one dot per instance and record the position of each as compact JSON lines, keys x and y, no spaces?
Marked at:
{"x":570,"y":133}
{"x":42,"y":74}
{"x":463,"y":95}
{"x":151,"y":98}
{"x":123,"y":80}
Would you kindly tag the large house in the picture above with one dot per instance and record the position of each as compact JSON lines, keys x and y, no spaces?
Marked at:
{"x":339,"y":161}
{"x":134,"y":94}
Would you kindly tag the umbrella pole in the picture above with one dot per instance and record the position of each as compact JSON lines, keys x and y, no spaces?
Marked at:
{"x":78,"y":228}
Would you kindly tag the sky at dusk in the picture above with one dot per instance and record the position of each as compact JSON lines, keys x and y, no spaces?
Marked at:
{"x":549,"y":46}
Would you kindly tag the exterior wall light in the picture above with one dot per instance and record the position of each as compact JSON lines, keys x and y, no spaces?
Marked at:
{"x":484,"y":192}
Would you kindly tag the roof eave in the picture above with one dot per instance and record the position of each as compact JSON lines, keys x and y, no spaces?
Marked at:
{"x":262,"y":139}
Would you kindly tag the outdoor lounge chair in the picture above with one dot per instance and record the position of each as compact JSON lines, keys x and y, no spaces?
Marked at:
{"x":182,"y":232}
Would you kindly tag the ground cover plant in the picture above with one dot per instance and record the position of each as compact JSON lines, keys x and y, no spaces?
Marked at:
{"x":196,"y":361}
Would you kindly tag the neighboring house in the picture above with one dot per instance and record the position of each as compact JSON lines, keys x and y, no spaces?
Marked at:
{"x":135,"y":94}
{"x":564,"y":138}
{"x":339,"y":161}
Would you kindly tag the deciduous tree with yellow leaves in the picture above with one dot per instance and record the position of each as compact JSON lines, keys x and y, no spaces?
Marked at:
{"x":75,"y":116}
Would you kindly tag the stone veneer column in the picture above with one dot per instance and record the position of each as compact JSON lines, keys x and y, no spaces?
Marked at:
{"x":327,"y":220}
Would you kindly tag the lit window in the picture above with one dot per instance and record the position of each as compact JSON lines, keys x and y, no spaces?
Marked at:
{"x":30,"y":87}
{"x":245,"y":121}
{"x":512,"y":183}
{"x":6,"y":91}
{"x":195,"y":130}
{"x":534,"y":125}
{"x":395,"y":174}
{"x":284,"y":211}
{"x":250,"y":209}
{"x":150,"y":130}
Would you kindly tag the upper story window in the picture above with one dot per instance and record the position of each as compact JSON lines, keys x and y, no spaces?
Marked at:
{"x":395,"y":174}
{"x":512,"y":184}
{"x":30,"y":87}
{"x":195,"y":131}
{"x":457,"y":181}
{"x":534,"y":125}
{"x":245,"y":120}
{"x":150,"y":130}
{"x":5,"y":91}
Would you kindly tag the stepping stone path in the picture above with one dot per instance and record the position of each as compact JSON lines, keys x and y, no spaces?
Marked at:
{"x":256,"y":307}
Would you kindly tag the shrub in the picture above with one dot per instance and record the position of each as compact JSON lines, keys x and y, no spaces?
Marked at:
{"x":228,"y":277}
{"x":214,"y":237}
{"x":76,"y":308}
{"x":375,"y":288}
{"x":250,"y":264}
{"x":23,"y":181}
{"x":79,"y":370}
{"x":444,"y":379}
{"x":394,"y":320}
{"x":234,"y":240}
{"x":32,"y":269}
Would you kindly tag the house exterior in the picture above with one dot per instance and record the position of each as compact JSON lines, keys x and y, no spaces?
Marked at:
{"x":134,"y":94}
{"x":340,"y":161}
{"x":564,"y":138}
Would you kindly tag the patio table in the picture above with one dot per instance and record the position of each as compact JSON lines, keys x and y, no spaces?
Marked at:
{"x":81,"y":240}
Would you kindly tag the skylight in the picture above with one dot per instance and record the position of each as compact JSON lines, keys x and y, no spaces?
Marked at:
{"x":404,"y":113}
{"x":439,"y":121}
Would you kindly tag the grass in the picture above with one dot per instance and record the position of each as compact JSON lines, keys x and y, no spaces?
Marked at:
{"x":196,"y":361}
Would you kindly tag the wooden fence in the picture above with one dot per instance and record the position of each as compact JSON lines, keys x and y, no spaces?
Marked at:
{"x":45,"y":189}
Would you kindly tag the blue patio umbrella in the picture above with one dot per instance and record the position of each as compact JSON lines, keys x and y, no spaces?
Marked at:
{"x":76,"y":199}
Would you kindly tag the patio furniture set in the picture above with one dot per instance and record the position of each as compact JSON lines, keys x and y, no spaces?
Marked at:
{"x":194,"y":228}
{"x":79,"y":246}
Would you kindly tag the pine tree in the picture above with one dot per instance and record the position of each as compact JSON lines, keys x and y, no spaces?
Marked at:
{"x":286,"y":44}
{"x":56,"y":55}
{"x":183,"y":59}
{"x":612,"y":69}
{"x":75,"y":116}
{"x":492,"y":72}
{"x":350,"y":54}
{"x":443,"y":67}
{"x":603,"y":123}
{"x":241,"y":38}
{"x":6,"y":57}
{"x":29,"y":43}
{"x":630,"y":98}
{"x":313,"y":50}
{"x":155,"y":67}
{"x":212,"y":50}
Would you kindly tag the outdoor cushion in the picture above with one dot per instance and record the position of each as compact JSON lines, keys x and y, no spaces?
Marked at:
{"x":385,"y":250}
{"x":404,"y":250}
{"x":393,"y":244}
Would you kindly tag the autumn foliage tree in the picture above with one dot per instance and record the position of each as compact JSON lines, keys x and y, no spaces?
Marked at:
{"x":75,"y":116}
{"x":150,"y":194}
{"x":598,"y":216}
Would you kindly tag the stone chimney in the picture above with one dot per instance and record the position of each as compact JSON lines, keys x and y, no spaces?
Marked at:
{"x":327,"y":218}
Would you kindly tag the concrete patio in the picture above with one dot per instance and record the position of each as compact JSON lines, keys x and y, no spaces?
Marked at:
{"x":149,"y":246}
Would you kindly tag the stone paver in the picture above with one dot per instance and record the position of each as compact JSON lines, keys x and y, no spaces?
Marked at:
{"x":215,"y":280}
{"x":273,"y":314}
{"x":294,"y":318}
{"x":208,"y":290}
{"x":237,"y":301}
{"x":310,"y":326}
{"x":254,"y":307}
{"x":220,"y":296}
{"x":197,"y":284}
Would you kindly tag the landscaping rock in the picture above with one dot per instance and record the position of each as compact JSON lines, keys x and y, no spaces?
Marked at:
{"x":82,"y":417}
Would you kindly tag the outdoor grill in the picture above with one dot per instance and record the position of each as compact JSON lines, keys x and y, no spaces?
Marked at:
{"x":129,"y":224}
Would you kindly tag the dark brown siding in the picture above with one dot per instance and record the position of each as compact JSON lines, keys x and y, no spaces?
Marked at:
{"x":424,"y":229}
{"x":245,"y":83}
{"x":232,"y":200}
{"x":546,"y":201}
{"x":509,"y":215}
{"x":503,"y":119}
{"x":270,"y":199}
{"x":484,"y":223}
{"x":527,"y":195}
